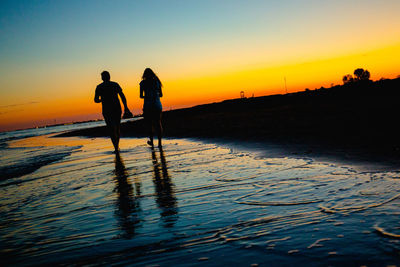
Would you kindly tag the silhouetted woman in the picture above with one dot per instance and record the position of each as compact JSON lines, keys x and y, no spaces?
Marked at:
{"x":150,"y":90}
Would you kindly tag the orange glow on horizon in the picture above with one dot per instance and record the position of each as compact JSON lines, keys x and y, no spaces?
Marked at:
{"x":185,"y":91}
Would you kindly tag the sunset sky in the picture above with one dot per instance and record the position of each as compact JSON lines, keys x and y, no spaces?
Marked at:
{"x":52,"y":52}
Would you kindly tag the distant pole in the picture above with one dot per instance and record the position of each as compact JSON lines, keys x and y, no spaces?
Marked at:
{"x":285,"y":84}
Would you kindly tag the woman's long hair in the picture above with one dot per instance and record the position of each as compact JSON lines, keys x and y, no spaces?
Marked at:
{"x":149,"y":74}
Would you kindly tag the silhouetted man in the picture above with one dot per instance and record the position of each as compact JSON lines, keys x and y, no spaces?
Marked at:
{"x":107,"y":93}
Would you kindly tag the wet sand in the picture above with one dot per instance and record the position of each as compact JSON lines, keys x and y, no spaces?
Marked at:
{"x":196,"y":203}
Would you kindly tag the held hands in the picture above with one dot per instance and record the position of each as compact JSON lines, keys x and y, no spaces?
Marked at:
{"x":127,"y":114}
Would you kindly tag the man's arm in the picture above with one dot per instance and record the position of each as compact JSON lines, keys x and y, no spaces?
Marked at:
{"x":97,"y":98}
{"x":121,"y":94}
{"x":123,"y":98}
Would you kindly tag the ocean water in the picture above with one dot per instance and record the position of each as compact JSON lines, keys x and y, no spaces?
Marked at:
{"x":71,"y":201}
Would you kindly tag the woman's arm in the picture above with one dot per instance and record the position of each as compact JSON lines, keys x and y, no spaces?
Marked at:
{"x":159,"y":89}
{"x":160,"y":92}
{"x":141,"y":91}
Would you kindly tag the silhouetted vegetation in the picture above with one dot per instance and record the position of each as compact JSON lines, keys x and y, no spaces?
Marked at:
{"x":348,"y":78}
{"x":359,"y":75}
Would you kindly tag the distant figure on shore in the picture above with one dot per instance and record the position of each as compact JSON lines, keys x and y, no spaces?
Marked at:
{"x":150,"y":90}
{"x":107,"y":94}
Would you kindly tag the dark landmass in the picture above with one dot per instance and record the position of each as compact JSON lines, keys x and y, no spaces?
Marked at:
{"x":362,"y":115}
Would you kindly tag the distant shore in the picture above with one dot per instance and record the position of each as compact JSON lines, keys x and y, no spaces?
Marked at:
{"x":360,"y":116}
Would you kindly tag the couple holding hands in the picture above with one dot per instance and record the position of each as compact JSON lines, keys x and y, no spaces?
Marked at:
{"x":150,"y":90}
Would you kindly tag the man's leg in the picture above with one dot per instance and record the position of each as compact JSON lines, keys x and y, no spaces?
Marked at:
{"x":113,"y":131}
{"x":113,"y":136}
{"x":117,"y":134}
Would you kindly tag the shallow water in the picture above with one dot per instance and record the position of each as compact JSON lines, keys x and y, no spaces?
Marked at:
{"x":192,"y":203}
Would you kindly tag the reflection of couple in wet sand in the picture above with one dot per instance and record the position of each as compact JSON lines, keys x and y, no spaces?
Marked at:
{"x":128,"y":208}
{"x":128,"y":205}
{"x":150,"y":90}
{"x":165,"y":196}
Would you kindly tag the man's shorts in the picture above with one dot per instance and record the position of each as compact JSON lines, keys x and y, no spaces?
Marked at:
{"x":113,"y":119}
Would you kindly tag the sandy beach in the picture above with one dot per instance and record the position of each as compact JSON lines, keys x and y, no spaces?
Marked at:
{"x":195,"y":203}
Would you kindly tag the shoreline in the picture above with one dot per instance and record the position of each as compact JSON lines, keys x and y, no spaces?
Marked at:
{"x":363,"y":159}
{"x":356,"y":121}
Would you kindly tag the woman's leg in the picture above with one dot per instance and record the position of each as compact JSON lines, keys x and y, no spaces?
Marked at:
{"x":149,"y":124}
{"x":159,"y":128}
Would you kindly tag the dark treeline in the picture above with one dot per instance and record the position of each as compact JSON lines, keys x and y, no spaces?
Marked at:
{"x":359,"y":114}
